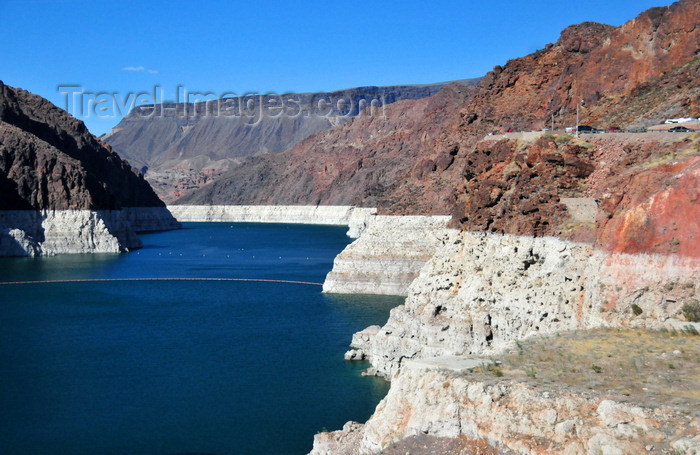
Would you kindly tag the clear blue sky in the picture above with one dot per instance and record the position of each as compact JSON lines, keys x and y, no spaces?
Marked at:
{"x":231,"y":46}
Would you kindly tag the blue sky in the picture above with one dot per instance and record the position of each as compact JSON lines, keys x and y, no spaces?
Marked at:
{"x":221,"y":46}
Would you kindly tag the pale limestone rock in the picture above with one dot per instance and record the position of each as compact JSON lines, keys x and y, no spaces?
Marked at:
{"x":510,"y":415}
{"x":481,"y":292}
{"x":146,"y":219}
{"x":387,"y":256}
{"x":356,"y":218}
{"x":687,"y":446}
{"x":49,"y":232}
{"x":360,"y":343}
{"x":615,"y":414}
{"x":341,"y":442}
{"x":16,"y":242}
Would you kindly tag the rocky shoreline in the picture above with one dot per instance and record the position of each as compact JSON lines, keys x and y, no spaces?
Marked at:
{"x":482,"y":293}
{"x":388,"y":256}
{"x":472,"y":296}
{"x":353,"y":217}
{"x":48,"y":232}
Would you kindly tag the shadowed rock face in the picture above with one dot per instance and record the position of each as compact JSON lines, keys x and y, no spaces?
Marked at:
{"x":49,"y":161}
{"x":428,"y":156}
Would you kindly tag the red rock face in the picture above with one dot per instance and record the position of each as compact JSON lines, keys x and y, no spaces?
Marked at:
{"x":660,"y":214}
{"x":429,"y":156}
{"x":515,"y":189}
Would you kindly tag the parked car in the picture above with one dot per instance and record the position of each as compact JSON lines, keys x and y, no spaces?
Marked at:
{"x":581,"y":129}
{"x":614,"y":129}
{"x":680,"y":129}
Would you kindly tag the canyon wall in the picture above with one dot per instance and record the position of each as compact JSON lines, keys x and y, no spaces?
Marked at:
{"x":63,"y":190}
{"x":481,"y":292}
{"x":478,"y":295}
{"x":388,"y":255}
{"x":49,"y":232}
{"x":356,"y":218}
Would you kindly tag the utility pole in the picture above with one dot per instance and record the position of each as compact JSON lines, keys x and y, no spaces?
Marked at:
{"x":552,"y":122}
{"x":577,"y":124}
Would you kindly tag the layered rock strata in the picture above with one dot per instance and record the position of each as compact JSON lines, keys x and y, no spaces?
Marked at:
{"x":511,"y":416}
{"x":356,"y":218}
{"x":64,"y":191}
{"x":49,"y":232}
{"x":388,"y":255}
{"x":481,"y":292}
{"x":182,"y":146}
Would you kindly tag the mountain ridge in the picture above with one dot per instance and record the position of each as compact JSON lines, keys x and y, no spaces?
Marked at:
{"x":49,"y":160}
{"x":179,"y":152}
{"x":435,"y":156}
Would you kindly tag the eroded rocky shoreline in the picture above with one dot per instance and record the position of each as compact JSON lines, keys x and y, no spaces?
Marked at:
{"x":472,"y":296}
{"x":481,"y":294}
{"x":49,"y":232}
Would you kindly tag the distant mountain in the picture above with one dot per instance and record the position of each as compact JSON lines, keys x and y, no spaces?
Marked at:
{"x":430,"y":156}
{"x":182,"y":146}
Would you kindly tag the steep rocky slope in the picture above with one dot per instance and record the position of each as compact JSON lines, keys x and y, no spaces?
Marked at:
{"x":55,"y":177}
{"x":420,"y":158}
{"x":183,"y":145}
{"x":552,"y":233}
{"x":364,"y":162}
{"x":49,"y":161}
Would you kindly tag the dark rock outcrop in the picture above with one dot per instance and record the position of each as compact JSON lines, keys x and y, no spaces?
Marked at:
{"x":63,"y":190}
{"x":49,"y":161}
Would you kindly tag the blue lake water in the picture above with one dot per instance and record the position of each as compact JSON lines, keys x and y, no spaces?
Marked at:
{"x":183,"y":367}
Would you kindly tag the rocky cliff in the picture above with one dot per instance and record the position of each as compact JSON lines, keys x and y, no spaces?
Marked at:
{"x":388,"y":255}
{"x":552,"y":235}
{"x":57,"y":179}
{"x":181,"y":146}
{"x":356,"y":218}
{"x":428,"y":406}
{"x":419,"y":158}
{"x":481,"y":292}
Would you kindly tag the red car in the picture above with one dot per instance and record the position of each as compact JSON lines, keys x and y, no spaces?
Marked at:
{"x":614,"y":129}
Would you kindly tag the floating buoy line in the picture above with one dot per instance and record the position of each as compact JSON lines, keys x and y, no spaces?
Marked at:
{"x":105,"y":280}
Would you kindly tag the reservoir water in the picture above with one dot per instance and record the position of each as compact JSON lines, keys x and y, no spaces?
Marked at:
{"x":148,"y":367}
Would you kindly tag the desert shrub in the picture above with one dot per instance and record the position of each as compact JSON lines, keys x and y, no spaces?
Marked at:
{"x":691,"y":311}
{"x":564,"y":139}
{"x":690,"y":330}
{"x":636,"y":309}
